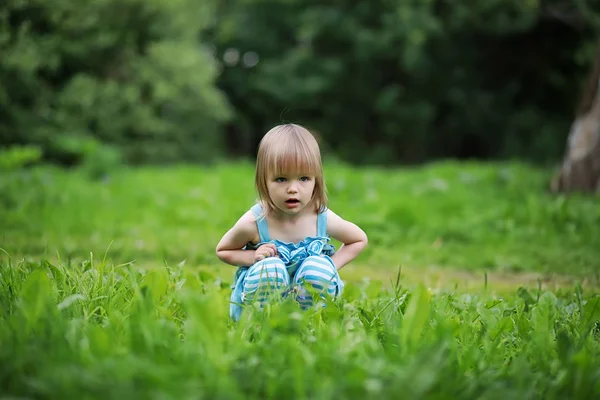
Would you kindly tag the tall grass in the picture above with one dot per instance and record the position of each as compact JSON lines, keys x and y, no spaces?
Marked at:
{"x":154,"y":324}
{"x":98,"y":330}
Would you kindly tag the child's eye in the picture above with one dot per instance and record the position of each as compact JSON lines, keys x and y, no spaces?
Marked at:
{"x":280,"y":179}
{"x":305,"y":179}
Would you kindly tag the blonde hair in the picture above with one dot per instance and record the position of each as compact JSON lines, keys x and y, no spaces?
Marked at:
{"x":285,"y":149}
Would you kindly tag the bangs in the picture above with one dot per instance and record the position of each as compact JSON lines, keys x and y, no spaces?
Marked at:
{"x":293,"y":158}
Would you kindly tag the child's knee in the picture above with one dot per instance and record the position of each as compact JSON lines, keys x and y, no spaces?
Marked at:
{"x":268,"y":275}
{"x":319,"y":273}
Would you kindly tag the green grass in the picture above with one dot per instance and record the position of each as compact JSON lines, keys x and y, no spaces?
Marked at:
{"x":111,"y":288}
{"x":96,"y":330}
{"x":465,"y":216}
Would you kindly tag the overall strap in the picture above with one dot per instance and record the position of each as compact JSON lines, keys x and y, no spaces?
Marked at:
{"x":261,"y":223}
{"x":322,"y":223}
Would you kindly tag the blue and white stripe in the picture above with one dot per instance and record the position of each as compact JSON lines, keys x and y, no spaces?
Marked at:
{"x":265,"y":280}
{"x":318,"y":274}
{"x":300,"y":269}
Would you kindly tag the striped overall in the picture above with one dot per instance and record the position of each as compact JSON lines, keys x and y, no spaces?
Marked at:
{"x":296,"y":267}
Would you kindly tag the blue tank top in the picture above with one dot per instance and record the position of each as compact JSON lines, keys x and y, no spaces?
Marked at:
{"x":292,"y":254}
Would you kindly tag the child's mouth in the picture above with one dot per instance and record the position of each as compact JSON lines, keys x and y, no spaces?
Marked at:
{"x":292,"y":202}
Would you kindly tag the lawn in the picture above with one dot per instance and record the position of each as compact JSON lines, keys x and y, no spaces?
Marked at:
{"x":444,"y":220}
{"x":476,"y":284}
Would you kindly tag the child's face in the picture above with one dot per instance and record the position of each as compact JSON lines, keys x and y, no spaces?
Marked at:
{"x":291,"y":193}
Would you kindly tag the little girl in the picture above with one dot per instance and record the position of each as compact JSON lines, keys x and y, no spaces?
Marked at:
{"x":282,"y":244}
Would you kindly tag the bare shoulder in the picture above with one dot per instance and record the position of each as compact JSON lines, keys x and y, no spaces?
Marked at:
{"x":342,"y":229}
{"x":331,"y":216}
{"x":246,"y":225}
{"x":243,"y":231}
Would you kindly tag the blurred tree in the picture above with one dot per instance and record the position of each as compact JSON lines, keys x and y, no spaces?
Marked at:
{"x":580,"y":170}
{"x":128,"y":73}
{"x":407,"y":80}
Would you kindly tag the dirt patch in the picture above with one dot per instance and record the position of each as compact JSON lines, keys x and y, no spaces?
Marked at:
{"x":444,"y":278}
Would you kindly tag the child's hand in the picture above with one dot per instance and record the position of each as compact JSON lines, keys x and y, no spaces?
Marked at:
{"x":264,"y":251}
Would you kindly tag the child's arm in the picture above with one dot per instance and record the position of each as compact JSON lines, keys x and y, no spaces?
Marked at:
{"x":230,"y":247}
{"x":353,"y":238}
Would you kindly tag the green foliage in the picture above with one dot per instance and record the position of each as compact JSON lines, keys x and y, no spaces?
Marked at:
{"x":494,"y":217}
{"x":163,"y":81}
{"x":17,"y":178}
{"x":98,"y":159}
{"x":98,"y":330}
{"x":76,"y":325}
{"x":131,"y":74}
{"x":410,"y":80}
{"x":17,"y":157}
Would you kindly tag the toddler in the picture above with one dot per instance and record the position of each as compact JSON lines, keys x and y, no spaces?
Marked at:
{"x":281,"y":244}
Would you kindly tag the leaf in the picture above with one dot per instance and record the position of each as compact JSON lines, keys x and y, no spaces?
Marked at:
{"x":564,"y":344}
{"x":37,"y":293}
{"x":503,"y":325}
{"x":416,"y":316}
{"x":591,"y":311}
{"x":99,"y":340}
{"x":156,"y":281}
{"x":524,"y":294}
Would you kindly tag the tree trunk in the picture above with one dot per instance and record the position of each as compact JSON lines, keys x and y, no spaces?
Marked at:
{"x":580,"y":169}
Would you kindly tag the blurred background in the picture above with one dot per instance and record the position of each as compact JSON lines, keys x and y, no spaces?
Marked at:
{"x":156,"y":81}
{"x":128,"y":130}
{"x":129,"y":127}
